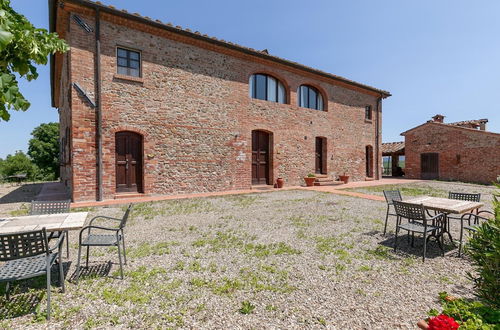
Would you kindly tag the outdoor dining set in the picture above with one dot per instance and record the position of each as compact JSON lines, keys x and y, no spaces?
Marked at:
{"x":25,"y":251}
{"x":433,"y":216}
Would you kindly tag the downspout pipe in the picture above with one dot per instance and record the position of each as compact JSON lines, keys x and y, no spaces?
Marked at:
{"x":377,"y":136}
{"x":98,"y":104}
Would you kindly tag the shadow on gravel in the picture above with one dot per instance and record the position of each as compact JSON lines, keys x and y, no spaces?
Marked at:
{"x":24,"y":194}
{"x":26,"y":295}
{"x":93,"y":271}
{"x":405,"y":246}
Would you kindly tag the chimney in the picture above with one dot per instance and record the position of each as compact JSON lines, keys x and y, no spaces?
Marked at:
{"x":482,"y":124}
{"x":438,"y":118}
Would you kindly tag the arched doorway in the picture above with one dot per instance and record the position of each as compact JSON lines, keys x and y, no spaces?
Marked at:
{"x":369,"y":161}
{"x":261,"y":157}
{"x":128,"y":158}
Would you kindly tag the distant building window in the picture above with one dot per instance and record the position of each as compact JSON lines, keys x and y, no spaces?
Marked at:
{"x":310,"y":97}
{"x":128,"y":62}
{"x":368,"y":112}
{"x":265,"y":87}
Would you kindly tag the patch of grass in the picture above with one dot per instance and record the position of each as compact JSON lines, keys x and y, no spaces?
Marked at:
{"x":380,"y":252}
{"x":195,"y":266}
{"x":299,"y":221}
{"x":246,"y":307}
{"x":179,"y":265}
{"x":133,"y":293}
{"x":331,"y":244}
{"x":142,"y":274}
{"x":228,"y":286}
{"x":150,"y":210}
{"x":177,"y":320}
{"x":365,"y":268}
{"x":242,"y":201}
{"x":83,"y":209}
{"x":148,"y":249}
{"x":221,"y":240}
{"x":271,"y":308}
{"x":265,"y":250}
{"x":22,"y":210}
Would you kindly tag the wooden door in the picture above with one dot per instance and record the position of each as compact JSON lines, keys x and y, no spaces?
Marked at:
{"x":369,"y":161}
{"x":429,"y":166}
{"x":129,"y":175}
{"x":260,"y":157}
{"x":320,"y":155}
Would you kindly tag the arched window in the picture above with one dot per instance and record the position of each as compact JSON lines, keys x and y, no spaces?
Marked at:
{"x":310,"y":97}
{"x":265,"y":87}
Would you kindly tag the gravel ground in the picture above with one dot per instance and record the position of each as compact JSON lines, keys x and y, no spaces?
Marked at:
{"x":285,"y":259}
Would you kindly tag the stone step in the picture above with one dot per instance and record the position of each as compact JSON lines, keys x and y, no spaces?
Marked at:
{"x":328,"y":183}
{"x":322,"y":179}
{"x":321,"y":176}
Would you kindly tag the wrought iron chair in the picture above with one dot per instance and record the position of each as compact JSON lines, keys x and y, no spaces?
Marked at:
{"x":418,"y":222}
{"x":26,"y":255}
{"x":473,"y":221}
{"x":115,"y":238}
{"x":464,"y":197}
{"x":52,"y":207}
{"x":390,"y":196}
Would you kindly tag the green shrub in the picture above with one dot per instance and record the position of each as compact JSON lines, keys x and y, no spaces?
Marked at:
{"x":484,"y":249}
{"x":468,"y":313}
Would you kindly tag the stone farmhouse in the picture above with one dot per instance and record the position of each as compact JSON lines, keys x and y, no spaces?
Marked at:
{"x":147,"y":108}
{"x":459,"y":151}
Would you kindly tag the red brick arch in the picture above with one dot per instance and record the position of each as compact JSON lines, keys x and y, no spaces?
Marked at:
{"x":320,"y":89}
{"x":278,"y":77}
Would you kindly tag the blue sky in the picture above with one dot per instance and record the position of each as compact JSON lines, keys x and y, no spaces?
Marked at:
{"x":433,"y":56}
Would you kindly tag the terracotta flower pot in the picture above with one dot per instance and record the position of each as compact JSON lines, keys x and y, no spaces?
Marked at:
{"x":344,"y":178}
{"x":422,"y":324}
{"x":309,"y":181}
{"x":280,"y":182}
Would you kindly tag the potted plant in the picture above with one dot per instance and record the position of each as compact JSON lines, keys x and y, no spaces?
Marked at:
{"x":309,"y":179}
{"x":344,"y":178}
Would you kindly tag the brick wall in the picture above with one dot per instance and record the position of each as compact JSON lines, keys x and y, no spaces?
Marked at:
{"x":193,"y":109}
{"x":464,"y":154}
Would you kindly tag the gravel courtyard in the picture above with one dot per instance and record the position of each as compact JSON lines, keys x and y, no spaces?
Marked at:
{"x":284,"y":259}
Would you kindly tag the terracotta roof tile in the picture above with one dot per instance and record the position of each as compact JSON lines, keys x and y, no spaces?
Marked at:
{"x":390,"y":147}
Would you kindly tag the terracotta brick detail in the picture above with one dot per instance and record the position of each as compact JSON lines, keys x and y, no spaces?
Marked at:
{"x":193,"y":110}
{"x":465,"y":154}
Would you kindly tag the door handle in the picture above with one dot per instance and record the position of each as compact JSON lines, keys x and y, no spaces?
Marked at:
{"x":126,"y":164}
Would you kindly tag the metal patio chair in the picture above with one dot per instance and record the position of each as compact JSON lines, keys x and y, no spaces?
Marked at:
{"x":52,"y":207}
{"x":417,"y":221}
{"x":26,"y":255}
{"x":390,"y":196}
{"x":464,"y":197}
{"x":105,"y":236}
{"x":473,"y":220}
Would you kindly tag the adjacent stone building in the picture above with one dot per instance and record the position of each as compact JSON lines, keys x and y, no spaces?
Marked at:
{"x":462,"y":151}
{"x":149,"y":108}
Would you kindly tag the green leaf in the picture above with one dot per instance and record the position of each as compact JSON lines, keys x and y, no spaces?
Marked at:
{"x":5,"y":38}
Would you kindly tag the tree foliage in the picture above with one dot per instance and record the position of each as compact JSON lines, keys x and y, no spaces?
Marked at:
{"x":43,"y":149}
{"x":18,"y":163}
{"x":21,"y":46}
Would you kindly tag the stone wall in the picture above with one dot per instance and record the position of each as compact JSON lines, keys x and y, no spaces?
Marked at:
{"x":193,"y":109}
{"x":465,"y":154}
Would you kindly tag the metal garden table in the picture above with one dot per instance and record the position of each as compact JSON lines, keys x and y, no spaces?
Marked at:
{"x":51,"y":222}
{"x":446,"y":206}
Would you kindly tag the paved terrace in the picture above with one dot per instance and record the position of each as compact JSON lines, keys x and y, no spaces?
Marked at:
{"x":56,"y":191}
